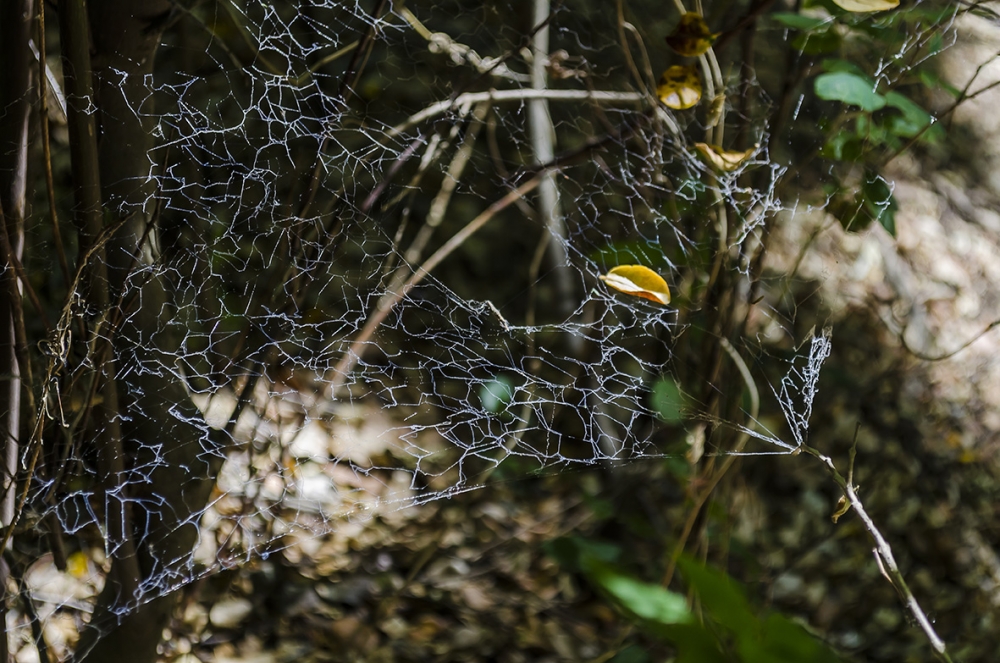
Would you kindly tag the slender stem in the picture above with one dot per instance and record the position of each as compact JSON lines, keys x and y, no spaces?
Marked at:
{"x":503,"y":96}
{"x":354,"y":353}
{"x":883,"y":553}
{"x":717,"y":476}
{"x":43,"y":112}
{"x":20,"y":335}
{"x":347,"y":84}
{"x":928,"y":357}
{"x":86,"y":164}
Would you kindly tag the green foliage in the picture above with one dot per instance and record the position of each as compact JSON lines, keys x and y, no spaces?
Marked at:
{"x":728,"y":628}
{"x":799,"y":21}
{"x":879,"y":115}
{"x":850,"y":89}
{"x":871,"y":201}
{"x":496,"y":395}
{"x":667,"y":400}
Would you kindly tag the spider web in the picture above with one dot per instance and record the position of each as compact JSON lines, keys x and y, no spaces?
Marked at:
{"x":295,"y":203}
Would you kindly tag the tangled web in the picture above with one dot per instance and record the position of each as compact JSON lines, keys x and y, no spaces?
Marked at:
{"x":371,"y":277}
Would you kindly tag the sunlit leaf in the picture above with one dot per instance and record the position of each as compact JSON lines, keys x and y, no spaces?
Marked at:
{"x":680,"y":87}
{"x":691,"y":37}
{"x":850,"y":89}
{"x":638,"y":281}
{"x":867,"y":5}
{"x":724,"y":160}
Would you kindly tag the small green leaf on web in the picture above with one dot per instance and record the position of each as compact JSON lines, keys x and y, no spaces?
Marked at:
{"x":668,"y":401}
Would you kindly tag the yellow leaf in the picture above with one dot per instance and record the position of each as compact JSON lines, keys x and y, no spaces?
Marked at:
{"x":679,"y":87}
{"x":77,"y":565}
{"x":866,"y":5}
{"x":843,"y":506}
{"x":638,"y":281}
{"x":691,"y":37}
{"x":725,"y":160}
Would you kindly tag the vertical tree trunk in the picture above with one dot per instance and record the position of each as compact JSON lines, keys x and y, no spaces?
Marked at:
{"x":15,"y":106}
{"x":161,"y":433}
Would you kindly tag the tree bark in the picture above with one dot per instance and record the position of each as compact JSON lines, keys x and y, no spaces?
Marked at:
{"x":162,"y":434}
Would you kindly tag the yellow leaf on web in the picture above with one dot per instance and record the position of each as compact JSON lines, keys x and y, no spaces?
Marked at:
{"x":691,"y":37}
{"x":638,"y":281}
{"x":724,"y":160}
{"x":866,"y":5}
{"x":680,"y":87}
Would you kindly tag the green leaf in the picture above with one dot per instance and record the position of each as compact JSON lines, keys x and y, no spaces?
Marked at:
{"x":879,"y":201}
{"x":784,"y":640}
{"x":496,"y":394}
{"x":850,"y":211}
{"x":799,"y":21}
{"x":668,"y":401}
{"x":722,"y":597}
{"x":850,"y":89}
{"x":913,"y":120}
{"x":631,"y":654}
{"x":645,"y":600}
{"x":817,"y":43}
{"x":695,"y":643}
{"x":843,"y":146}
{"x":933,"y":81}
{"x":836,"y":64}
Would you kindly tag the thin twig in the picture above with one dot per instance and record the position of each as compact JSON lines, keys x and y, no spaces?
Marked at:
{"x":502,"y":96}
{"x":947,"y":355}
{"x":353,"y":354}
{"x":717,"y":476}
{"x":43,"y":111}
{"x":883,"y":552}
{"x":21,"y":353}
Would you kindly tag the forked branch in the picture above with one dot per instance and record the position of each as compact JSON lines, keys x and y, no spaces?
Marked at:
{"x":883,"y":551}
